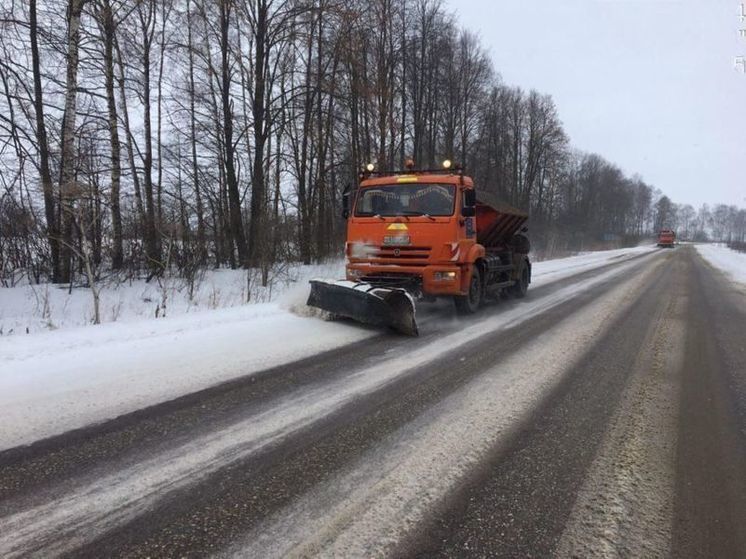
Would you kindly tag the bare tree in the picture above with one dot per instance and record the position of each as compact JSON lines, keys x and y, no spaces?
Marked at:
{"x":227,"y":131}
{"x":43,"y":147}
{"x":107,"y":26}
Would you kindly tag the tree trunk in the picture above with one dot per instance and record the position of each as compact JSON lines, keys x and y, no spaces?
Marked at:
{"x":201,"y":250}
{"x":128,"y":137}
{"x":258,"y":110}
{"x":152,"y":239}
{"x":109,"y":28}
{"x":67,"y":148}
{"x":41,"y":138}
{"x":159,"y":141}
{"x":234,"y":197}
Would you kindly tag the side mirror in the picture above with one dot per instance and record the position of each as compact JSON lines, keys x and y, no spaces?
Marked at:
{"x":470,"y":201}
{"x":470,"y":198}
{"x":346,"y":202}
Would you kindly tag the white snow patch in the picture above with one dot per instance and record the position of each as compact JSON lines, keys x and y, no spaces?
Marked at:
{"x":732,"y":262}
{"x":553,"y":270}
{"x":31,"y":309}
{"x":57,"y":381}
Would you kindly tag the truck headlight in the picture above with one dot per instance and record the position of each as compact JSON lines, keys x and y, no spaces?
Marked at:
{"x":445,"y":276}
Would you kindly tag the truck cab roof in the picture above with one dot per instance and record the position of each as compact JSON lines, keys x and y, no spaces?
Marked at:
{"x":416,"y":177}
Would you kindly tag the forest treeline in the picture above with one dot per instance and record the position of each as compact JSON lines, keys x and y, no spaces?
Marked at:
{"x":147,"y":135}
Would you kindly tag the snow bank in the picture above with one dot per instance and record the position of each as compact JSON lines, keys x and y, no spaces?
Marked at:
{"x":553,"y":270}
{"x":56,"y":381}
{"x":31,"y":309}
{"x":732,"y":262}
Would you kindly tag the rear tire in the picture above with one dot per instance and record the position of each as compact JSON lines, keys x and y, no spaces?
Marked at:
{"x":520,"y":287}
{"x":470,"y":303}
{"x":520,"y":244}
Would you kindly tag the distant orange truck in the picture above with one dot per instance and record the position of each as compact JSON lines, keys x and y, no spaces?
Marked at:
{"x":666,"y":238}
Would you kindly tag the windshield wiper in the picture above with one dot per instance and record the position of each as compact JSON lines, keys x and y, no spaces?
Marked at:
{"x":405,"y":213}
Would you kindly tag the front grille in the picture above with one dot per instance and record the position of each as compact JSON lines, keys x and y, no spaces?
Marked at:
{"x":393,"y":279}
{"x":401,"y":253}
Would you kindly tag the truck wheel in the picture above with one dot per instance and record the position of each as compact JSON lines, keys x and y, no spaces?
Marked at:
{"x":520,"y":244}
{"x":469,"y":304}
{"x":520,"y":287}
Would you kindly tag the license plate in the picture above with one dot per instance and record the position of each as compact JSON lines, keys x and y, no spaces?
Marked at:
{"x":397,"y":240}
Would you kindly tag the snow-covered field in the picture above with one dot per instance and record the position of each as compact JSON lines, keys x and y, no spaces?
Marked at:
{"x":732,"y":262}
{"x":58,"y":380}
{"x":30,"y":309}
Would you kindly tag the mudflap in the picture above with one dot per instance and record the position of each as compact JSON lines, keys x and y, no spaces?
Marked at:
{"x":377,"y":306}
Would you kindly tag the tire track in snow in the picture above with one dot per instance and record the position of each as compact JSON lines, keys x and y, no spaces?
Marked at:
{"x":710,"y":503}
{"x":519,"y":503}
{"x":369,"y":509}
{"x":625,"y":508}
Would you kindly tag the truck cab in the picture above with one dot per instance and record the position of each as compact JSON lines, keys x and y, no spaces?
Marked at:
{"x":666,"y":238}
{"x":433,"y":234}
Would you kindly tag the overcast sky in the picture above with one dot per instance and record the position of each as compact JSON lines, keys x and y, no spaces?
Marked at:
{"x":651,"y":85}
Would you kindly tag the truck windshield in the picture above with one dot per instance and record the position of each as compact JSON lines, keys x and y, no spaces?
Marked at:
{"x":406,"y":199}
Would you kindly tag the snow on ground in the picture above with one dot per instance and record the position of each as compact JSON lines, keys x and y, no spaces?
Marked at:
{"x":30,"y":309}
{"x":732,"y":262}
{"x":54,"y":381}
{"x":367,"y":507}
{"x":553,"y":270}
{"x":97,"y":502}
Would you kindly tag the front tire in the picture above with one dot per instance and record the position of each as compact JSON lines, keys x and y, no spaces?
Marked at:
{"x":470,"y":303}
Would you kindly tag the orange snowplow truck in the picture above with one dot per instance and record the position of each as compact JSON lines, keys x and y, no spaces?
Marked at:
{"x":422,"y":235}
{"x":666,"y":238}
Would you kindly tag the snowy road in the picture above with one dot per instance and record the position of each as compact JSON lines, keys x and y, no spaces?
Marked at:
{"x":604,"y":415}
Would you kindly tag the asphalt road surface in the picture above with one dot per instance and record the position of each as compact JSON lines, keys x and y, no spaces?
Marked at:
{"x":602,"y":416}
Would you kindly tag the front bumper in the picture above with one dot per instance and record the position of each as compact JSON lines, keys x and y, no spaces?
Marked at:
{"x":448,"y":282}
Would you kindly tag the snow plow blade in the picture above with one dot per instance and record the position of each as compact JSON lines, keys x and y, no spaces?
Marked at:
{"x":377,"y":306}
